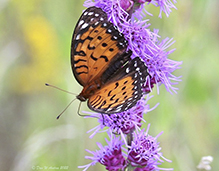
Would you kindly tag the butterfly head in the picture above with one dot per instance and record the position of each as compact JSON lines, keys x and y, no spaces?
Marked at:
{"x":81,"y":98}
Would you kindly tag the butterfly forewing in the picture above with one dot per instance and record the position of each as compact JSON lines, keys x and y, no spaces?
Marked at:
{"x":95,"y":44}
{"x":122,"y":91}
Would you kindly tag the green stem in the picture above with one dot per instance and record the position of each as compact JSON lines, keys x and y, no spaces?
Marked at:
{"x":129,"y":142}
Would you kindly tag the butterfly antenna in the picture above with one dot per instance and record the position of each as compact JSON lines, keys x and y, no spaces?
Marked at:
{"x":49,"y":85}
{"x":65,"y":108}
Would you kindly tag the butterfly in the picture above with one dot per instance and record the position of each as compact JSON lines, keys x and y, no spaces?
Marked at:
{"x":112,"y":81}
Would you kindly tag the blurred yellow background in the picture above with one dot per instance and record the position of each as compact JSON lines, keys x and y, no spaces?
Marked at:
{"x":35,"y":38}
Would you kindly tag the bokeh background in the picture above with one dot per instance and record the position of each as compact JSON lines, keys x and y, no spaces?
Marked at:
{"x":35,"y":39}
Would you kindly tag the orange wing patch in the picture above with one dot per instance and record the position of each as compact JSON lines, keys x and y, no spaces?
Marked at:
{"x":114,"y":96}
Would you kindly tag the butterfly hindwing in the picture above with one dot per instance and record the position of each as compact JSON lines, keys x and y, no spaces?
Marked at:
{"x":122,"y":91}
{"x":95,"y":44}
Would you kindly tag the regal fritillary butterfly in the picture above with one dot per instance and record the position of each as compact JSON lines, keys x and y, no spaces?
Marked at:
{"x":112,"y":81}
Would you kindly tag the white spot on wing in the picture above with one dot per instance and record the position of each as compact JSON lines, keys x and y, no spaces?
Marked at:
{"x":121,"y":44}
{"x":136,"y":75}
{"x":109,"y":109}
{"x":136,"y":96}
{"x":119,"y":107}
{"x":81,"y":22}
{"x":128,"y":106}
{"x":135,"y":64}
{"x":84,"y":25}
{"x":96,"y":23}
{"x":117,"y":110}
{"x":115,"y":37}
{"x":78,"y":37}
{"x":90,"y":13}
{"x":104,"y":24}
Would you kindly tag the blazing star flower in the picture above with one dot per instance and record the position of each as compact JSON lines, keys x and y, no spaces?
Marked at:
{"x":124,"y":122}
{"x":141,"y":40}
{"x":165,"y":6}
{"x":110,"y":155}
{"x":144,"y":152}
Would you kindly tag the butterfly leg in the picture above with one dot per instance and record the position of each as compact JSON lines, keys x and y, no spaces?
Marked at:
{"x":103,"y":119}
{"x":79,"y":114}
{"x":79,"y":107}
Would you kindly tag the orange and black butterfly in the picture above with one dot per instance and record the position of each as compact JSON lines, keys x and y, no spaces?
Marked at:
{"x":112,"y":81}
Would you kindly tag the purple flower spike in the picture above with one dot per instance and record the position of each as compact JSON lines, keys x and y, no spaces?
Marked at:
{"x":145,"y":152}
{"x":124,"y":122}
{"x":142,"y":1}
{"x":165,"y":6}
{"x":141,"y":40}
{"x":126,"y":4}
{"x":110,"y":156}
{"x":140,"y":151}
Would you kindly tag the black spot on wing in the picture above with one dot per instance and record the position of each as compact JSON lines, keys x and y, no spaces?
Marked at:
{"x":104,"y":44}
{"x":99,"y":37}
{"x":80,"y":53}
{"x":81,"y":66}
{"x":104,"y":57}
{"x":94,"y":58}
{"x":79,"y":60}
{"x":117,"y":84}
{"x":90,"y":48}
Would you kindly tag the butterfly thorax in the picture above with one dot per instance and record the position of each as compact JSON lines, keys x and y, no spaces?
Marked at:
{"x":89,"y":90}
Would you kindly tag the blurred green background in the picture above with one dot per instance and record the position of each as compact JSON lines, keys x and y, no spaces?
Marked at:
{"x":35,"y":39}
